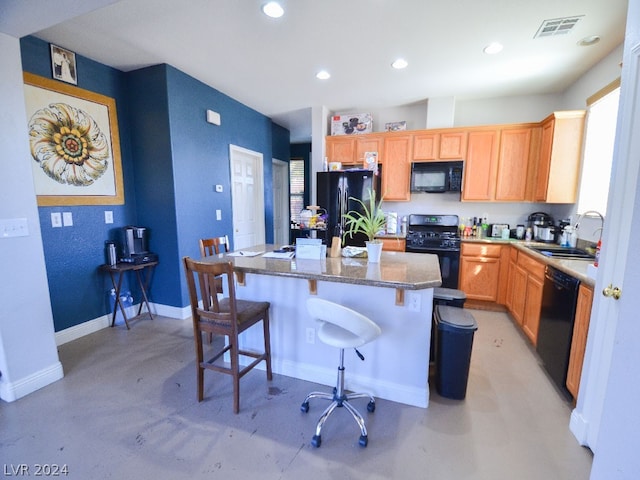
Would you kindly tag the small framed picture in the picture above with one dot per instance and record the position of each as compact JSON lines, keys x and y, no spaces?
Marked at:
{"x":63,"y":65}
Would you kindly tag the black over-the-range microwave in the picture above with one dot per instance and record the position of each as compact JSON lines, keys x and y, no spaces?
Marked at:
{"x":436,"y":177}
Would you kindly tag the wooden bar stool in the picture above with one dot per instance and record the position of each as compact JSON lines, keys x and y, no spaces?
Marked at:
{"x":228,"y":316}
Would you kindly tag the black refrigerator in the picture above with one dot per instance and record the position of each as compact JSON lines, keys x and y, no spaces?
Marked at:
{"x":334,"y":190}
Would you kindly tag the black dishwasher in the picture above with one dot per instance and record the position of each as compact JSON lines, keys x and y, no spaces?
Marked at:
{"x":559,"y":298}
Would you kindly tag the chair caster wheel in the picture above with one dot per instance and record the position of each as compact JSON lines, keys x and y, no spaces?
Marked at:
{"x":364,"y":440}
{"x":304,"y":408}
{"x":316,"y":441}
{"x":371,"y":407}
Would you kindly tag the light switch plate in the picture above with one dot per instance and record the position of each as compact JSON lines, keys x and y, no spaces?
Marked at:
{"x":218,"y":214}
{"x":108,"y":216}
{"x":67,"y":219}
{"x":13,"y":227}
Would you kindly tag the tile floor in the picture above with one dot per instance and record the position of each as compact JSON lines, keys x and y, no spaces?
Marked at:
{"x":126,"y":408}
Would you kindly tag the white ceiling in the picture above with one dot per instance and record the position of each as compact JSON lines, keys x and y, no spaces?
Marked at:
{"x":270,"y":64}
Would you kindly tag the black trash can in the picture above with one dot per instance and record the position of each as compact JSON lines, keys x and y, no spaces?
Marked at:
{"x":455,"y":327}
{"x":449,"y":296}
{"x":442,"y":296}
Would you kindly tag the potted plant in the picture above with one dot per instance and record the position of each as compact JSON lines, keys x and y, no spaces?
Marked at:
{"x":369,"y":222}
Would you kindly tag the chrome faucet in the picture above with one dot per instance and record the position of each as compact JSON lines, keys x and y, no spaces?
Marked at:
{"x":592,"y":213}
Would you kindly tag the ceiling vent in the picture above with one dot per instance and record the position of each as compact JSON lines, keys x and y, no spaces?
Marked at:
{"x":557,"y":26}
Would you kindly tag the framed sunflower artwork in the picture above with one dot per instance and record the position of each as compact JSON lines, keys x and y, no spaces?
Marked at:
{"x":74,"y":143}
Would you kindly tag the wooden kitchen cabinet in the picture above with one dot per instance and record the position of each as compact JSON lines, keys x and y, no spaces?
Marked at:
{"x":579,"y":339}
{"x":453,"y":145}
{"x":393,"y":244}
{"x":426,"y":146}
{"x":368,"y":143}
{"x":396,"y":172}
{"x":350,"y":150}
{"x":480,"y":166}
{"x":480,"y":271}
{"x":526,"y":279}
{"x":341,"y":148}
{"x":558,"y":165}
{"x":513,"y":165}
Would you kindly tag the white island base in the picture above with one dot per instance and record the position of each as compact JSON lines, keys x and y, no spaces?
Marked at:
{"x":396,"y":364}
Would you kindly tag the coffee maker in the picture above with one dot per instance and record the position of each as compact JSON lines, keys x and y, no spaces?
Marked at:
{"x":135,"y":245}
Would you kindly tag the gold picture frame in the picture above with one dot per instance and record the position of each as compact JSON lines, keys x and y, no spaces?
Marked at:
{"x":75,"y":146}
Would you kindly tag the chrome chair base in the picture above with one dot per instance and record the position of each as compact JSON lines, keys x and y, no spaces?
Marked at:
{"x":340,"y":399}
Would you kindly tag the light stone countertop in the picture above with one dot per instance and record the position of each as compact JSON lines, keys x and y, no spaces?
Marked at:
{"x":399,"y":270}
{"x":575,"y":268}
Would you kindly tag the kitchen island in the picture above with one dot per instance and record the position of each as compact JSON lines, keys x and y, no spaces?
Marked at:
{"x":396,"y":293}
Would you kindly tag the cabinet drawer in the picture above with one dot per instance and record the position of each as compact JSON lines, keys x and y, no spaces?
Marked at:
{"x":393,"y":244}
{"x":481,"y":250}
{"x":532,"y":266}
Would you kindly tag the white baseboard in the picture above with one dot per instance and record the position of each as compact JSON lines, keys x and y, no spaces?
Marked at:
{"x":417,"y":397}
{"x":11,"y":391}
{"x":82,"y":329}
{"x":91,"y":326}
{"x":579,"y":427}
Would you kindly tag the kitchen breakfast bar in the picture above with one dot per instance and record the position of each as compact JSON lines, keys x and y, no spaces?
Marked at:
{"x":396,"y":293}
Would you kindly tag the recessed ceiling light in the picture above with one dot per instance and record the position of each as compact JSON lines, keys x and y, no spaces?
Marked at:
{"x":273,"y":10}
{"x":400,"y":63}
{"x":588,"y":41}
{"x":323,"y":75}
{"x":493,"y":48}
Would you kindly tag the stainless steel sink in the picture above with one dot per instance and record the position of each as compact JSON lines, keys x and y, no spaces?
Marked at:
{"x":563,"y":252}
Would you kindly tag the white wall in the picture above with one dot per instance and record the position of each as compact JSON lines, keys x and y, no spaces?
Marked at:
{"x":28,"y":354}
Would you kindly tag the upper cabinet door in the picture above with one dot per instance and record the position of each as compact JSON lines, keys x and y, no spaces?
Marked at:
{"x":480,"y":166}
{"x":396,"y":172}
{"x":513,"y":164}
{"x":426,"y":146}
{"x":560,"y":155}
{"x":453,"y":145}
{"x":368,"y":143}
{"x":341,"y":148}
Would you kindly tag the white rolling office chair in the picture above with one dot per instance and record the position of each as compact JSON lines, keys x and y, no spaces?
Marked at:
{"x":342,"y":328}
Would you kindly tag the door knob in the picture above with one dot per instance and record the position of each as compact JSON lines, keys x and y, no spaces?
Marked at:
{"x":612,"y":291}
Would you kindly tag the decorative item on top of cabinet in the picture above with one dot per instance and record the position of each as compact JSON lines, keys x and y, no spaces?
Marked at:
{"x":579,"y":339}
{"x":560,"y":155}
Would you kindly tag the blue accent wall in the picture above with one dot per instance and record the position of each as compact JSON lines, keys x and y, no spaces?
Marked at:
{"x":172,"y":159}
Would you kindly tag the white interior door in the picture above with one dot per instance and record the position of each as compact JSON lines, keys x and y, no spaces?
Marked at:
{"x":617,"y":325}
{"x":247,"y":197}
{"x":281,"y":221}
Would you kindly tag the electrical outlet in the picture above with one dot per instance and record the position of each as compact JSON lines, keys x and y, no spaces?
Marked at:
{"x":311,"y":335}
{"x":414,"y":301}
